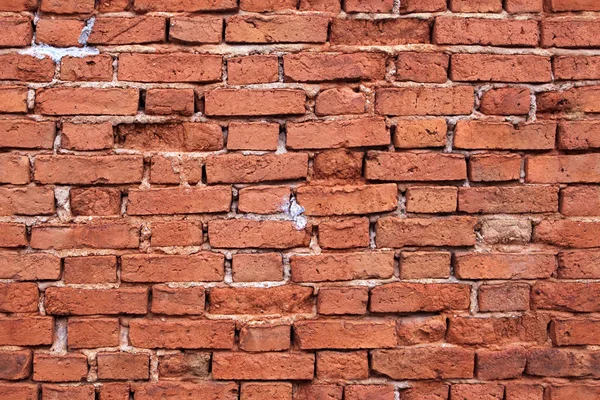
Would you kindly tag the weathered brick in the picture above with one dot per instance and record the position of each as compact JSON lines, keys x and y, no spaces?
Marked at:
{"x":265,"y":391}
{"x":117,"y":30}
{"x":420,"y":133}
{"x":21,"y":67}
{"x":574,"y":331}
{"x":72,"y":301}
{"x":29,"y":267}
{"x":257,"y":267}
{"x":59,"y":32}
{"x":263,"y":366}
{"x":18,"y":297}
{"x":240,"y":233}
{"x":171,"y":137}
{"x":420,"y":265}
{"x":197,"y":29}
{"x":343,"y":234}
{"x":363,"y":132}
{"x":26,"y":331}
{"x":430,"y":362}
{"x":485,"y":32}
{"x":253,"y":136}
{"x":169,"y":67}
{"x":87,"y":136}
{"x":339,"y":101}
{"x":422,"y":67}
{"x":508,"y":199}
{"x":500,"y":68}
{"x":176,"y":233}
{"x":254,"y":102}
{"x":267,"y":5}
{"x":16,"y":364}
{"x":505,"y":101}
{"x":576,"y":67}
{"x":115,"y":235}
{"x":561,"y":362}
{"x":338,"y":164}
{"x":32,"y":200}
{"x":89,"y":333}
{"x":342,"y":266}
{"x":563,"y":169}
{"x":393,"y":31}
{"x":57,"y":392}
{"x":484,"y":391}
{"x":181,"y":334}
{"x":238,"y":168}
{"x":71,"y":169}
{"x":315,"y":67}
{"x":475,"y":6}
{"x":287,"y":299}
{"x":494,"y":167}
{"x":579,"y":201}
{"x":418,"y":390}
{"x":450,"y":231}
{"x":170,"y":101}
{"x":191,"y":364}
{"x":202,"y":267}
{"x":13,"y":99}
{"x":26,"y":134}
{"x":342,"y":365}
{"x":566,"y":296}
{"x":409,"y":101}
{"x":67,"y":6}
{"x":18,"y":5}
{"x":87,"y":101}
{"x":90,"y":68}
{"x":265,"y":337}
{"x":504,"y":297}
{"x":476,"y":134}
{"x":90,"y":269}
{"x":177,"y":301}
{"x":309,"y":28}
{"x":185,"y":5}
{"x":568,"y":233}
{"x":18,"y":31}
{"x":121,"y":366}
{"x":343,"y":200}
{"x":344,"y":334}
{"x":579,"y":264}
{"x":431,"y":199}
{"x":504,"y":265}
{"x":498,"y":330}
{"x":175,"y":169}
{"x":343,"y":300}
{"x":577,"y":391}
{"x":523,"y":6}
{"x":208,"y":199}
{"x":388,"y":166}
{"x":253,"y":69}
{"x":415,"y":297}
{"x":418,"y":330}
{"x":578,"y":135}
{"x":570,"y":32}
{"x":264,"y":199}
{"x":95,"y":201}
{"x":576,"y":100}
{"x":12,"y":235}
{"x":410,"y":6}
{"x":60,"y":368}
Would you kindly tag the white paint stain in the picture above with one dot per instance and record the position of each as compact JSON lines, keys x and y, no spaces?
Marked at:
{"x":294,"y":212}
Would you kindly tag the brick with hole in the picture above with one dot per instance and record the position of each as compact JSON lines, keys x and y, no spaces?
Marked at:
{"x":98,"y":68}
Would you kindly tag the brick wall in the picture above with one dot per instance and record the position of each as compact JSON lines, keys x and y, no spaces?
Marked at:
{"x":282,"y":199}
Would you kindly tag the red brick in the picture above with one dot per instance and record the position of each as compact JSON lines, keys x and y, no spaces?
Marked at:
{"x":21,"y":67}
{"x":415,"y":297}
{"x":253,"y":136}
{"x":185,"y":5}
{"x":113,"y":235}
{"x":344,"y":334}
{"x":504,"y":265}
{"x":13,"y":99}
{"x":485,"y":32}
{"x":18,"y":391}
{"x":494,"y":167}
{"x":264,"y":199}
{"x":331,"y":6}
{"x":369,"y":6}
{"x":177,"y":301}
{"x":12,"y":235}
{"x":117,"y":30}
{"x":18,"y":31}
{"x":523,"y":6}
{"x":266,"y":391}
{"x":15,"y":364}
{"x":392,"y":31}
{"x":121,"y":366}
{"x":184,"y":365}
{"x":422,"y":67}
{"x":430,"y":362}
{"x":508,"y":199}
{"x":576,"y":391}
{"x":265,"y":366}
{"x":505,"y":101}
{"x":90,"y":269}
{"x":410,"y":6}
{"x":574,"y":5}
{"x":181,"y":334}
{"x":95,"y":201}
{"x":170,"y":101}
{"x":255,"y":337}
{"x":421,"y":265}
{"x":176,"y":233}
{"x":67,"y":6}
{"x":479,"y":391}
{"x":58,"y":32}
{"x":199,"y":267}
{"x":475,"y":134}
{"x":342,"y":164}
{"x":361,"y":132}
{"x":277,"y":29}
{"x":171,"y":137}
{"x":500,"y":68}
{"x":450,"y":231}
{"x":579,"y":264}
{"x":200,"y":29}
{"x":114,"y":390}
{"x":386,"y":166}
{"x":475,"y":6}
{"x":576,"y":67}
{"x":369,"y":392}
{"x":575,"y":331}
{"x":32,"y":200}
{"x":568,"y":233}
{"x":87,"y":101}
{"x":343,"y":300}
{"x":412,"y":101}
{"x":315,"y":67}
{"x":177,"y":169}
{"x":346,"y":365}
{"x":338,"y":101}
{"x":253,"y":69}
{"x":280,"y":300}
{"x":579,"y":201}
{"x":570,"y":32}
{"x":578,"y":135}
{"x":169,"y":67}
{"x":70,"y":169}
{"x":418,"y":330}
{"x":344,"y":234}
{"x":563,"y":168}
{"x":238,"y":168}
{"x":566,"y":296}
{"x":165,"y":390}
{"x":89,"y":333}
{"x":60,"y":368}
{"x":18,"y":297}
{"x":561,"y":362}
{"x":342,"y":266}
{"x":29,"y":267}
{"x":575,"y":100}
{"x":207,"y":199}
{"x":87,"y":136}
{"x":504,"y":297}
{"x":112,"y":6}
{"x":72,"y":301}
{"x":435,"y":390}
{"x":318,"y":391}
{"x":524,"y":391}
{"x":254,"y":102}
{"x":478,"y":331}
{"x":257,"y":267}
{"x":240,"y":233}
{"x":59,"y":392}
{"x":26,"y":134}
{"x":420,"y":133}
{"x":267,"y":5}
{"x":344,"y":200}
{"x":26,"y":331}
{"x":19,"y":5}
{"x":431,"y":199}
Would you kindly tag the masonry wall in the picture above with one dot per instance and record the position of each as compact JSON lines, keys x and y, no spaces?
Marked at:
{"x":284,"y":199}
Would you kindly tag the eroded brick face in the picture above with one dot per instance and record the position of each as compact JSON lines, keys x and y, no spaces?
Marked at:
{"x":299,"y":200}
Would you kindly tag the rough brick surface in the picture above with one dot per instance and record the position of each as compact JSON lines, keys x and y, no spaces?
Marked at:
{"x":299,"y":200}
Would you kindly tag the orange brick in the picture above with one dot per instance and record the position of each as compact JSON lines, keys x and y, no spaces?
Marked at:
{"x":252,"y":69}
